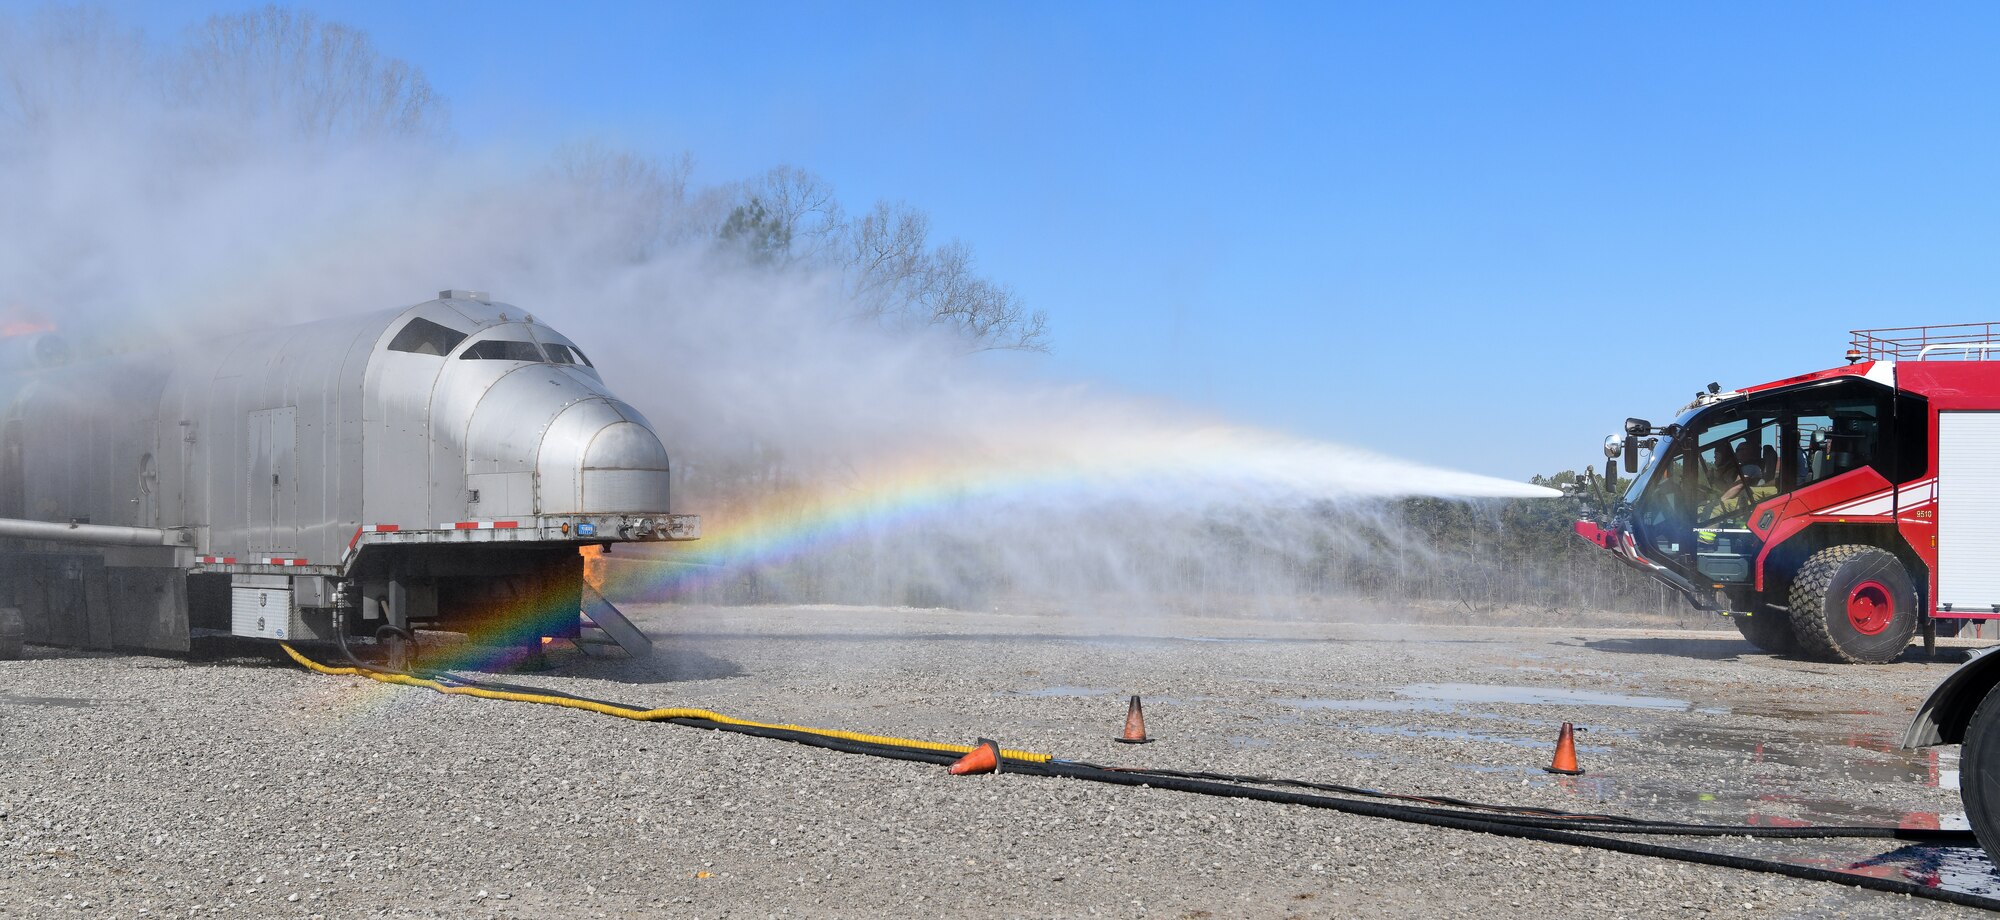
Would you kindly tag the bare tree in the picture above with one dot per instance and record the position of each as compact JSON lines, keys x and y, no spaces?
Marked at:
{"x":65,"y":61}
{"x":643,"y":198}
{"x":895,"y":277}
{"x":884,"y":253}
{"x":988,"y":315}
{"x":325,"y":78}
{"x":787,"y":216}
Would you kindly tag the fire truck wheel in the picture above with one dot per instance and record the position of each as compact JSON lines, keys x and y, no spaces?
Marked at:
{"x":1979,"y":776}
{"x":1854,"y":603}
{"x":1770,"y":631}
{"x":12,"y":631}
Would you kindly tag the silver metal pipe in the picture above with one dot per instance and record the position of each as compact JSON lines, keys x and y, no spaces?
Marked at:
{"x":95,"y":534}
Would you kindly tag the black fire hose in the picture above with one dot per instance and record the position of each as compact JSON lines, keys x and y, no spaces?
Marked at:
{"x":1620,"y":824}
{"x":1511,"y":827}
{"x":1548,"y":830}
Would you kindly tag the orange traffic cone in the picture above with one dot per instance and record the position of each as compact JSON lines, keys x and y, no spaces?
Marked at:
{"x":1135,"y":725}
{"x":1565,"y":760}
{"x":982,"y":759}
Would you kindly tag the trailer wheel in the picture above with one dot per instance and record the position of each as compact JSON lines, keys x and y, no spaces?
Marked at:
{"x":13,"y":630}
{"x":1770,"y":631}
{"x":1979,"y":773}
{"x":1854,"y":603}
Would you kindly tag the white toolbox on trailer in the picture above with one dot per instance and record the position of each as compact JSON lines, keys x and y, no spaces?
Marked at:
{"x":261,"y":606}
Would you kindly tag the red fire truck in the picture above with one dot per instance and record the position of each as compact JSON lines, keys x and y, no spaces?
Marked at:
{"x":1833,"y":514}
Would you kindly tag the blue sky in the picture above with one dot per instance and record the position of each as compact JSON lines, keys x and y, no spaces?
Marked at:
{"x":1475,"y":235}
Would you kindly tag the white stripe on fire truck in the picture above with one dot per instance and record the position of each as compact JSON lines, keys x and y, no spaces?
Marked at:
{"x":1879,"y":503}
{"x":479,"y":525}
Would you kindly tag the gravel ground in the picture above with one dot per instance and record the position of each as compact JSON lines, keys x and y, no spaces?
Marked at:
{"x":241,"y":786}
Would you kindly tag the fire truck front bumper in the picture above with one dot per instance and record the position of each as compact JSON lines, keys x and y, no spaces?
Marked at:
{"x":1616,"y":539}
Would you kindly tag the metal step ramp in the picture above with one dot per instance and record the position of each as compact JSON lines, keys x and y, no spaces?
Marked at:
{"x":601,"y":615}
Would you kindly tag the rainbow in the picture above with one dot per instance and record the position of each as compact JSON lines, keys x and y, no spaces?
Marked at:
{"x":1063,"y":470}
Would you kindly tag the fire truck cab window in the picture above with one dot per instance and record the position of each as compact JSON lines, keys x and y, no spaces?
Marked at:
{"x":422,"y":337}
{"x":1736,"y":466}
{"x":501,"y":350}
{"x":1843,"y":430}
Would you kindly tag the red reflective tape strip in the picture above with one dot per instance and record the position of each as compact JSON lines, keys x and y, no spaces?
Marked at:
{"x":277,"y":560}
{"x":218,"y":560}
{"x":484,"y":525}
{"x":506,"y":525}
{"x":371,"y":528}
{"x":466,"y":525}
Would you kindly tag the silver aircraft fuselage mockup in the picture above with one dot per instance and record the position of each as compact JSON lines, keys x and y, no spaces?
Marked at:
{"x":438,"y":465}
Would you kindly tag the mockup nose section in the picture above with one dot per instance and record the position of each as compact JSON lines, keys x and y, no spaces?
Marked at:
{"x":600,"y":457}
{"x":625,"y":469}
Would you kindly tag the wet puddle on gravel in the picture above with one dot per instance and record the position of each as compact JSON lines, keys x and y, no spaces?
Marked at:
{"x":1546,"y":696}
{"x":1963,"y":869}
{"x":1061,"y":692}
{"x":1865,"y":756}
{"x":1374,"y":705}
{"x":1457,"y":734}
{"x":1566,"y":672}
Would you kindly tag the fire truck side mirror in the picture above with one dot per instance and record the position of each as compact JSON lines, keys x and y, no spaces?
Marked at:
{"x":1638,"y":426}
{"x":1610,"y":473}
{"x":1631,"y":453}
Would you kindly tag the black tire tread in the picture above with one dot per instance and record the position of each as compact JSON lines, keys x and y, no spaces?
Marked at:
{"x":1981,"y":734}
{"x":1808,"y":595}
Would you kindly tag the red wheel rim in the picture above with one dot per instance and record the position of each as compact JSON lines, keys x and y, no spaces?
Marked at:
{"x":1869,"y":609}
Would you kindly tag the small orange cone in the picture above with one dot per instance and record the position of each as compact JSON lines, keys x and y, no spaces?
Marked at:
{"x":1565,"y":760}
{"x":1135,"y":725}
{"x":982,"y":759}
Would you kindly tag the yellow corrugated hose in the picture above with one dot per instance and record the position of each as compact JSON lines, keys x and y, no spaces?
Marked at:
{"x":644,"y":715}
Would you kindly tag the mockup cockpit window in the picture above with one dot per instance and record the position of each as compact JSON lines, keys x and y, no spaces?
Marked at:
{"x":501,"y":350}
{"x":423,"y":337}
{"x":566,"y":354}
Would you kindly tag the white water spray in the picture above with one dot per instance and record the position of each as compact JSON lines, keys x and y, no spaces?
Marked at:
{"x":150,"y":196}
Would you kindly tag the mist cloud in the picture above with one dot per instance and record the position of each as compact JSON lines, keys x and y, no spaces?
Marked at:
{"x":814,"y":373}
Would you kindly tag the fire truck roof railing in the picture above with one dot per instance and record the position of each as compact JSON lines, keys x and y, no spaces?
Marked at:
{"x":1956,"y":342}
